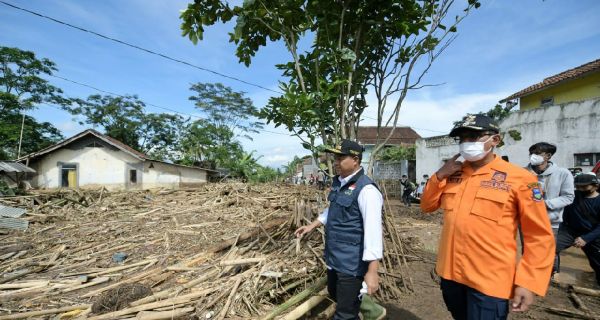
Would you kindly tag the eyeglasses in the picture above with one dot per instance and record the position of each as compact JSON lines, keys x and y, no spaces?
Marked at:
{"x":471,"y":136}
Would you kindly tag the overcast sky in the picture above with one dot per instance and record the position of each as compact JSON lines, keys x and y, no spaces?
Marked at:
{"x":502,"y":47}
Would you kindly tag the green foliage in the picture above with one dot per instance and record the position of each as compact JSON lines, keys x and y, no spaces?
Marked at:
{"x":515,"y":134}
{"x":398,"y":153}
{"x":36,"y":135}
{"x":123,"y":118}
{"x":356,"y":46}
{"x":22,"y":88}
{"x":226,"y":108}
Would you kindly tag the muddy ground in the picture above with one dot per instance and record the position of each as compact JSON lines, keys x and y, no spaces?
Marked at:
{"x":427,"y":303}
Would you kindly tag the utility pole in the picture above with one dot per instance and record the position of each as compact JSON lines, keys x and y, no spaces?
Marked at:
{"x":21,"y":137}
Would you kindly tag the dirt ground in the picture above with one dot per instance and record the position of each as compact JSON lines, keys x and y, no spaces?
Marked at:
{"x":426,"y":302}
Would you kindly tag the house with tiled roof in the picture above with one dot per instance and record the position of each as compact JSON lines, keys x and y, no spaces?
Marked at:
{"x":563,"y":109}
{"x":576,"y":84}
{"x":368,"y":137}
{"x":91,"y":159}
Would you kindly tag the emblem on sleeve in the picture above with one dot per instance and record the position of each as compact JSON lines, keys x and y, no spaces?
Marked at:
{"x":537,"y":194}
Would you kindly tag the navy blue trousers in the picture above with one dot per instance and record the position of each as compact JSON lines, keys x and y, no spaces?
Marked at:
{"x":344,"y":290}
{"x":465,"y":303}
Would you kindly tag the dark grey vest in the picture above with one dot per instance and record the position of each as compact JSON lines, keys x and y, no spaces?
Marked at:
{"x":344,"y":231}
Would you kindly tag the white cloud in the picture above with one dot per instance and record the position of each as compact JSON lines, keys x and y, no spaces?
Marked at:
{"x":431,"y":117}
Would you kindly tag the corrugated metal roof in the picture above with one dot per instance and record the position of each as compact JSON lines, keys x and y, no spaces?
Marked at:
{"x":13,"y":223}
{"x":11,"y":212}
{"x":9,"y":166}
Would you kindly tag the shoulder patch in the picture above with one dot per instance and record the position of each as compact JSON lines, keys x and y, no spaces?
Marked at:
{"x":536,"y":194}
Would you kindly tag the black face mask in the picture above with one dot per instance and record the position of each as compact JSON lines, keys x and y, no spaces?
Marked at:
{"x":586,"y":193}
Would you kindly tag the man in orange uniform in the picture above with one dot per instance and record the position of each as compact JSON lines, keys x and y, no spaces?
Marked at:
{"x":484,"y":199}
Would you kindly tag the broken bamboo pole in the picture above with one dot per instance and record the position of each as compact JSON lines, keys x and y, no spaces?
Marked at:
{"x":317,"y":286}
{"x":29,"y":314}
{"x":306,"y":306}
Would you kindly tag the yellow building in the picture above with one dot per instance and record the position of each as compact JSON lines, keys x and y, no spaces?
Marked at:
{"x":577,"y":84}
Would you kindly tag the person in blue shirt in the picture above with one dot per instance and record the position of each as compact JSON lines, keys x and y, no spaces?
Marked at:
{"x":581,"y":222}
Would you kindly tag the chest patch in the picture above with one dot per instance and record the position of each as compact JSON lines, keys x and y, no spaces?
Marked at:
{"x":498,"y":182}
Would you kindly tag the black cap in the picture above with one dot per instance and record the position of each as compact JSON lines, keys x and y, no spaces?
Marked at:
{"x":585,"y":179}
{"x":477,"y":122}
{"x":347,"y":148}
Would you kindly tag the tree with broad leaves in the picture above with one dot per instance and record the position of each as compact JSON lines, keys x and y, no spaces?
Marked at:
{"x":123,"y":118}
{"x":224,"y":107}
{"x":208,"y":145}
{"x":358,"y":47}
{"x":23,"y":88}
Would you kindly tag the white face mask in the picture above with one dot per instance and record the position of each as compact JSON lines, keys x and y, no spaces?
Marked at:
{"x":536,"y":159}
{"x":474,"y":151}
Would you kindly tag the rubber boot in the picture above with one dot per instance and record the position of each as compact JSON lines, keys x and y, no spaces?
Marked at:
{"x":370,"y":310}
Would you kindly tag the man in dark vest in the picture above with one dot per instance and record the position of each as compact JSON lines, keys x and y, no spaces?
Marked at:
{"x":353,"y":235}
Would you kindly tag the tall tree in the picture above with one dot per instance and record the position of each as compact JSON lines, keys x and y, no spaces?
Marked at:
{"x":224,"y":107}
{"x":358,"y":46}
{"x":206,"y":144}
{"x":22,"y":89}
{"x":123,"y":118}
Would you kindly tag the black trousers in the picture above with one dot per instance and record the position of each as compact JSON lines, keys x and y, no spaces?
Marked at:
{"x":344,"y":290}
{"x":465,"y":303}
{"x":406,"y":196}
{"x":565,"y":239}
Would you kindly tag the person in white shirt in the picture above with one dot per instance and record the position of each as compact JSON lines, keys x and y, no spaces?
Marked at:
{"x":353,"y":235}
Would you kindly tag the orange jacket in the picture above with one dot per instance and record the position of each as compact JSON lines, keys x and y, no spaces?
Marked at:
{"x":482,"y":210}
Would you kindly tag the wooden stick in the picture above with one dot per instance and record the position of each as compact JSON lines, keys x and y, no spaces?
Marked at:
{"x":169,"y":292}
{"x":154,"y":305}
{"x":114,"y":285}
{"x":30,"y":314}
{"x":569,"y":313}
{"x":241,"y":261}
{"x":306,"y":306}
{"x":171,"y":314}
{"x":89,"y":284}
{"x":125,"y":267}
{"x":586,"y":291}
{"x":225,"y":309}
{"x":317,"y":286}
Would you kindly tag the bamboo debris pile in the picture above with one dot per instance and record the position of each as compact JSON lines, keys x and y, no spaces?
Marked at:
{"x":221,"y":251}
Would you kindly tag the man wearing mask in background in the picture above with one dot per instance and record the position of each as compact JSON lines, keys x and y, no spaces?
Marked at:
{"x":556,"y":184}
{"x":484,"y":198}
{"x":407,"y":189}
{"x":581,"y":225}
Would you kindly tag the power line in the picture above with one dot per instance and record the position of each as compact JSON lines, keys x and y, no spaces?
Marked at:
{"x":147,"y":103}
{"x":140,"y":48}
{"x":157,"y":54}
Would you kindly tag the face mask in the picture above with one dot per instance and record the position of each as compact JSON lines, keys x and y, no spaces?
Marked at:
{"x":536,"y":159}
{"x":474,"y":151}
{"x":587,"y":193}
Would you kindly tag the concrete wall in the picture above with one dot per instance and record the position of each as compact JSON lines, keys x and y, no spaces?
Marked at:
{"x":584,"y":88}
{"x":163,"y":175}
{"x":95,"y":167}
{"x":574,"y":128}
{"x":431,"y":153}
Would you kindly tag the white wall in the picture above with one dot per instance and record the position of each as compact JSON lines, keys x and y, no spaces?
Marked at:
{"x":573,"y":128}
{"x":164,"y":175}
{"x":96,"y":167}
{"x":431,"y":153}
